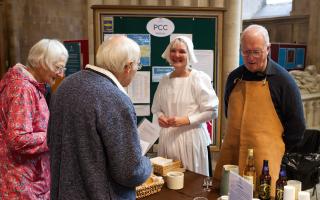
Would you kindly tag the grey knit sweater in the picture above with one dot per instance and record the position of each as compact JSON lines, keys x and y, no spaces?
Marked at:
{"x":93,"y":141}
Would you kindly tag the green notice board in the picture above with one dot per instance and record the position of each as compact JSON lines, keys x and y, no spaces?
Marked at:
{"x":202,"y":30}
{"x":204,"y":26}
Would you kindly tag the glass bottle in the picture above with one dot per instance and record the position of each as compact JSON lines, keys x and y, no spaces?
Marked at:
{"x":281,"y":182}
{"x":265,"y":182}
{"x":250,"y":170}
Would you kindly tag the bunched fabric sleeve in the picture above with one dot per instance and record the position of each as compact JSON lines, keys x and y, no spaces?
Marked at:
{"x":26,"y":125}
{"x":156,"y":104}
{"x":205,"y":97}
{"x":292,"y":115}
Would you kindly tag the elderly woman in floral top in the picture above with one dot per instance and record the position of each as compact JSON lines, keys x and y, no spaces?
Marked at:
{"x":24,"y":114}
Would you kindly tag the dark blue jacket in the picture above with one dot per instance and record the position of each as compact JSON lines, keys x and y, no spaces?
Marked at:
{"x":93,"y":140}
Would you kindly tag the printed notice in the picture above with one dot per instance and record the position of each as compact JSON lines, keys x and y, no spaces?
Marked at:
{"x":239,"y":188}
{"x":74,"y":62}
{"x":142,"y":110}
{"x":143,"y":41}
{"x":159,"y":71}
{"x":205,"y":61}
{"x":107,"y":36}
{"x":107,"y":22}
{"x":139,"y":88}
{"x":174,"y":35}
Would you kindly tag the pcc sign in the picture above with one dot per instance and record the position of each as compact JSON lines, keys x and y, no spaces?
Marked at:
{"x":160,"y":27}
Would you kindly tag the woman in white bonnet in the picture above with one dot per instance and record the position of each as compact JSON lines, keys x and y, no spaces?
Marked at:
{"x":183,"y":103}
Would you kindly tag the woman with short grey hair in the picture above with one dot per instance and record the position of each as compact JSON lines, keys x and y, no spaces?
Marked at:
{"x":24,"y":115}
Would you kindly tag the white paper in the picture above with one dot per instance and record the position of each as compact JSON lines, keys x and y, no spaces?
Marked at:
{"x":139,"y":88}
{"x":148,"y":132}
{"x":239,"y":188}
{"x":205,"y":61}
{"x":174,"y":35}
{"x":107,"y":36}
{"x":159,"y":71}
{"x":144,"y":146}
{"x":161,"y":161}
{"x":142,"y":110}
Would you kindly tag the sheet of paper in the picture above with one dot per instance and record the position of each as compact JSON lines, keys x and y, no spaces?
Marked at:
{"x":159,"y":71}
{"x":139,"y":88}
{"x":239,"y":188}
{"x":148,"y":132}
{"x":174,"y":35}
{"x":144,"y":146}
{"x":205,"y":61}
{"x":107,"y":36}
{"x":142,"y":110}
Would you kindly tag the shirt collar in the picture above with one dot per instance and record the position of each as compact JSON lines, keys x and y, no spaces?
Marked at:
{"x":109,"y":74}
{"x":270,"y":67}
{"x":31,"y":78}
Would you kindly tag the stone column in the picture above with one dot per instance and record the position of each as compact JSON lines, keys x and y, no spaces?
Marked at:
{"x":218,"y":3}
{"x":149,"y":3}
{"x":231,"y":41}
{"x":91,"y":27}
{"x":182,"y":2}
{"x":126,"y":2}
{"x":203,"y":3}
{"x":165,"y":3}
{"x":14,"y":13}
{"x":313,"y":56}
{"x":108,"y":2}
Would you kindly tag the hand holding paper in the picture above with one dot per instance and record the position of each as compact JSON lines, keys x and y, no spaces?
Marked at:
{"x":148,"y":133}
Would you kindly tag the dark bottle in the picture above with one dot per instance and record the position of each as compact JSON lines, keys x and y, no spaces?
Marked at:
{"x":265,"y":182}
{"x":281,"y":182}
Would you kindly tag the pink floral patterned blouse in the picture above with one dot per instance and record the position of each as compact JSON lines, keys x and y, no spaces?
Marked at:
{"x":24,"y":154}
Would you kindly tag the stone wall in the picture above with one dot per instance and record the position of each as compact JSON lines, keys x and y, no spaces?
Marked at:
{"x":300,"y":7}
{"x":291,"y":29}
{"x":29,"y":21}
{"x":308,"y":80}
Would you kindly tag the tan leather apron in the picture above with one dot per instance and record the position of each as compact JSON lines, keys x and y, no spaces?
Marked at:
{"x":252,"y":123}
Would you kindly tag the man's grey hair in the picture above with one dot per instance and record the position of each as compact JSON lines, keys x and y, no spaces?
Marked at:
{"x":258,"y":29}
{"x":114,"y":53}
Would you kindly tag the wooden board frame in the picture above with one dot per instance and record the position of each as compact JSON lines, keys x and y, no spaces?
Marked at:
{"x":158,"y":11}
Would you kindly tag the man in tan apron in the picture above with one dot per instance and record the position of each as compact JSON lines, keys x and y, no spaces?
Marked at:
{"x":254,"y":98}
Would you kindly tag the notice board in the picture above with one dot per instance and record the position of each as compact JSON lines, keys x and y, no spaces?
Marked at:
{"x":203,"y":26}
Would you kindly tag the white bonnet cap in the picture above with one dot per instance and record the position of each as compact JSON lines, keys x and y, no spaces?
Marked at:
{"x":189,"y":44}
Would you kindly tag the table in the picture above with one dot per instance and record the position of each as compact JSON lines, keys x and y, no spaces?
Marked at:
{"x":192,"y":188}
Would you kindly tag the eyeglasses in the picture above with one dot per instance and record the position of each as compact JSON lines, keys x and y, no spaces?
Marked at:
{"x":139,"y":66}
{"x":60,"y":69}
{"x":254,"y":53}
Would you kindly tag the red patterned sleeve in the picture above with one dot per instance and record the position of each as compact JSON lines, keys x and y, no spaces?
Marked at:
{"x":27,"y":119}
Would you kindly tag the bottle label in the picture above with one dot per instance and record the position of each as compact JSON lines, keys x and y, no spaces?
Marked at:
{"x":279,"y":194}
{"x":264,"y":191}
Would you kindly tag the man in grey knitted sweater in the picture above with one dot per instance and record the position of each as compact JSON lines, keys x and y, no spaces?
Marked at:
{"x":92,"y":135}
